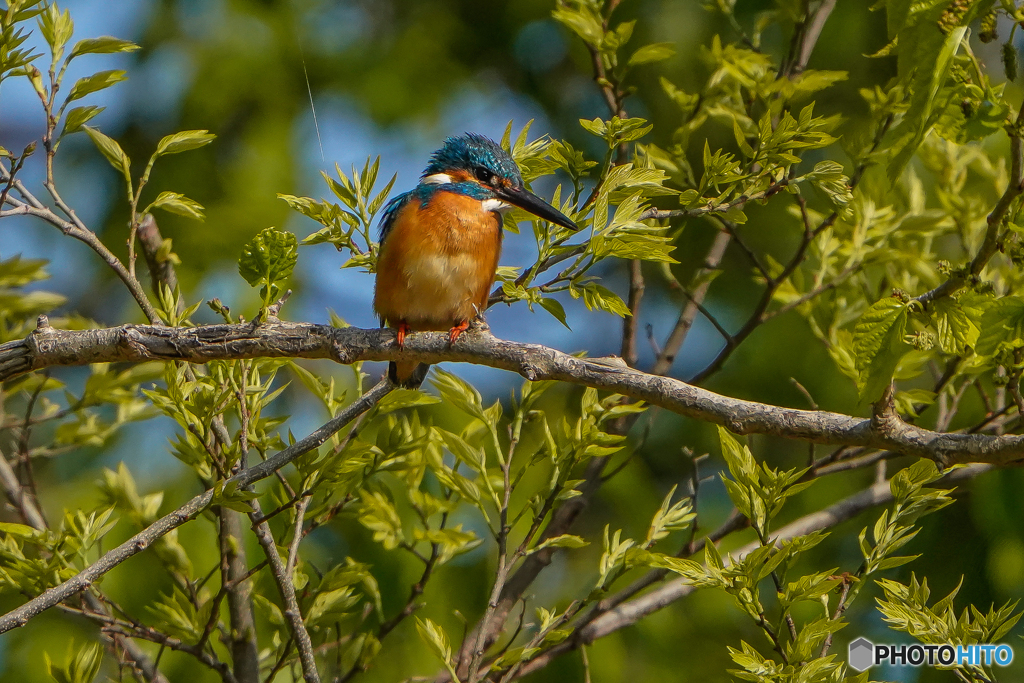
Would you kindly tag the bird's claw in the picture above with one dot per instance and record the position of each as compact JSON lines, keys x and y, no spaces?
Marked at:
{"x":457,"y":331}
{"x":403,"y":329}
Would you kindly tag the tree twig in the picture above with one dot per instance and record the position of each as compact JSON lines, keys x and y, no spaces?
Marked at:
{"x":161,"y":271}
{"x":142,"y":540}
{"x":632,"y":611}
{"x":123,"y":630}
{"x":283,"y":578}
{"x":31,"y":514}
{"x":694,"y":302}
{"x":75,"y":228}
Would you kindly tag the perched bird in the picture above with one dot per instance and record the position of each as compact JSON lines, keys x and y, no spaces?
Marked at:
{"x":440,"y":242}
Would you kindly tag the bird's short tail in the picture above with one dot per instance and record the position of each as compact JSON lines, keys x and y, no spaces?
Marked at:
{"x":408,"y":375}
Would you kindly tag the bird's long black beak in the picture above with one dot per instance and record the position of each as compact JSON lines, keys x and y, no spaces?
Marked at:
{"x":528,"y":201}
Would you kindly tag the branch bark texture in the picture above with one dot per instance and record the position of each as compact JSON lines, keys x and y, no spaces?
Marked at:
{"x":48,"y":347}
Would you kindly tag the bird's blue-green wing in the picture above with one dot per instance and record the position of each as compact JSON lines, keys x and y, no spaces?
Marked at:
{"x":391,"y":211}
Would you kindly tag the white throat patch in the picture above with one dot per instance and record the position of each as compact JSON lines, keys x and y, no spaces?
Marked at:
{"x":495,"y":204}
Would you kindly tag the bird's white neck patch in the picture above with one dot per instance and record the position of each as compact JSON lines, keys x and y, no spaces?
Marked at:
{"x":495,"y":204}
{"x":437,"y":179}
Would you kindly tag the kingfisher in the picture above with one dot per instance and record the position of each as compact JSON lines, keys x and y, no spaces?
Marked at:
{"x":440,"y":243}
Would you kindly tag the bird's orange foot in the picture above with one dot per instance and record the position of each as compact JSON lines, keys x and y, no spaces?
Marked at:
{"x":403,"y":329}
{"x":457,"y":331}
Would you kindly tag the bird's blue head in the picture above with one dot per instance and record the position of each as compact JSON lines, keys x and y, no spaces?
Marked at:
{"x":474,"y":157}
{"x":479,"y":166}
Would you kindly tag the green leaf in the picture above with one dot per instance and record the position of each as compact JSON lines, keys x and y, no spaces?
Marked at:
{"x":56,"y":27}
{"x":18,"y":272}
{"x":601,"y":298}
{"x":563,"y":541}
{"x":459,"y":393}
{"x":475,"y":458}
{"x":828,"y":176}
{"x":22,"y":530}
{"x":554,"y":307}
{"x":738,"y":458}
{"x":227,"y":494}
{"x":670,"y":517}
{"x":878,"y":344}
{"x":955,"y":330}
{"x":103,"y":45}
{"x":741,"y":142}
{"x":916,"y":121}
{"x":449,"y":542}
{"x":98,"y":81}
{"x":111,"y":150}
{"x":1002,"y":322}
{"x":78,"y":117}
{"x":177,"y":203}
{"x":596,"y":127}
{"x":643,"y":247}
{"x":184,"y":141}
{"x":583,"y":20}
{"x":80,"y":667}
{"x":907,"y":401}
{"x":330,"y":605}
{"x":435,"y":637}
{"x":268,"y":258}
{"x":379,"y":515}
{"x":655,"y":52}
{"x":404,"y":398}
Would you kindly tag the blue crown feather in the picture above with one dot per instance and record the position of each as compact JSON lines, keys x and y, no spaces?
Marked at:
{"x":470,"y":151}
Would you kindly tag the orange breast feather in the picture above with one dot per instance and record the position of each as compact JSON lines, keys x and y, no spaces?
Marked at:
{"x":437,"y":264}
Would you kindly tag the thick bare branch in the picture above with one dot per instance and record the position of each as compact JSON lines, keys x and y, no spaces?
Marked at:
{"x":243,"y":643}
{"x":48,"y":347}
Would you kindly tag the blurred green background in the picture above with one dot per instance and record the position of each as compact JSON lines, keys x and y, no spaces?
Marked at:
{"x":394,"y":77}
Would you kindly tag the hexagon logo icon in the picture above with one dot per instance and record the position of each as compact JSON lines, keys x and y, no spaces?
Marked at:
{"x":862,"y":654}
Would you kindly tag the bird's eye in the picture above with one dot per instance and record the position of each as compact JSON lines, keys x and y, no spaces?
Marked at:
{"x":483,"y":175}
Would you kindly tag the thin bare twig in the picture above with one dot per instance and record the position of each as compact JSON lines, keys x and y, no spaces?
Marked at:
{"x":283,"y":578}
{"x":630,"y":612}
{"x":75,"y":228}
{"x":161,"y":269}
{"x":694,"y":304}
{"x":760,"y":313}
{"x":142,"y":540}
{"x":124,"y":630}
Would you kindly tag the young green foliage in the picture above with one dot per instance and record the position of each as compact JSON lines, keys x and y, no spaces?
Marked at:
{"x":267,"y":261}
